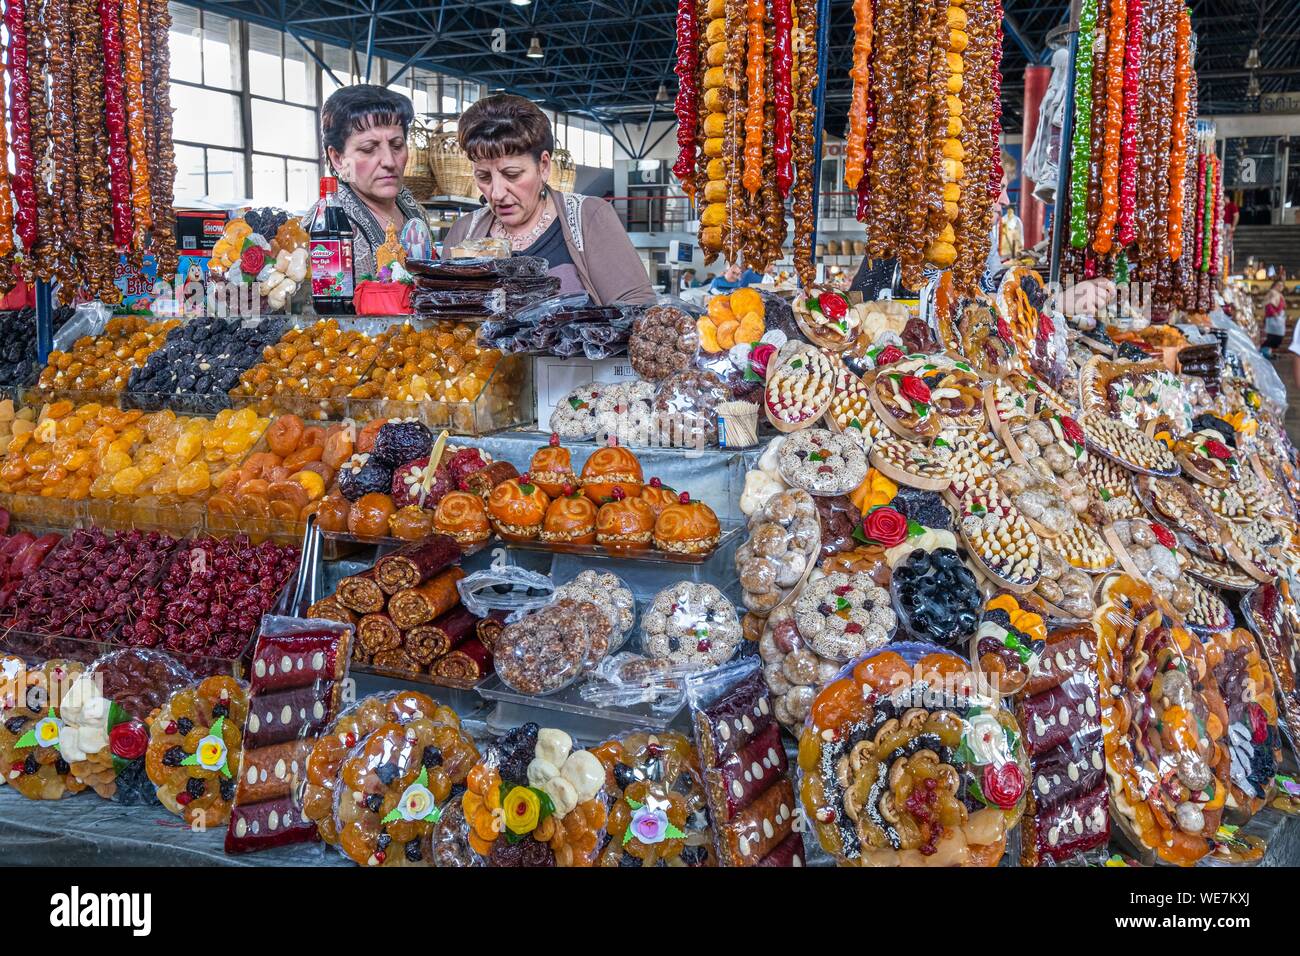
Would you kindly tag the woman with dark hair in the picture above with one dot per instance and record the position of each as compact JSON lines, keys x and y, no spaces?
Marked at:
{"x":509,"y":142}
{"x":363,"y":130}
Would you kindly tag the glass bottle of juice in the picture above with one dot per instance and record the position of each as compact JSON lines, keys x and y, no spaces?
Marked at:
{"x":332,"y":279}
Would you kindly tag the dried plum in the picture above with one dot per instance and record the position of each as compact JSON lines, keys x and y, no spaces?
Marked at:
{"x":362,"y":475}
{"x":926,"y":508}
{"x":401,"y":440}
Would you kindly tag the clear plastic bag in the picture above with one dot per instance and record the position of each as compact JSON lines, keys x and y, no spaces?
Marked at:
{"x":548,"y":650}
{"x":136,"y":682}
{"x":195,"y":745}
{"x":686,"y":408}
{"x":391,"y":788}
{"x":689,"y":623}
{"x":533,"y":801}
{"x":297,"y":682}
{"x":841,"y":616}
{"x":627,"y":679}
{"x":784,"y":542}
{"x":315,"y":796}
{"x":478,"y":268}
{"x":747,"y":783}
{"x":1159,"y":739}
{"x":658,"y":815}
{"x":612,"y":595}
{"x":663,"y":340}
{"x":30,"y":731}
{"x":1067,"y":760}
{"x":507,"y":588}
{"x":791,"y":669}
{"x":869,"y":746}
{"x":936,"y":597}
{"x":502,"y":299}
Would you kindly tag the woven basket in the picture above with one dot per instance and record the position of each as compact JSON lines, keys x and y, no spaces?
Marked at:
{"x":451,"y":168}
{"x":564,"y":172}
{"x":418,"y":177}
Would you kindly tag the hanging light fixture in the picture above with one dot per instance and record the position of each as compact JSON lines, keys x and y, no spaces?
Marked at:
{"x":1252,"y":88}
{"x":520,"y":3}
{"x":662,"y":96}
{"x":534,"y":49}
{"x":1252,"y":58}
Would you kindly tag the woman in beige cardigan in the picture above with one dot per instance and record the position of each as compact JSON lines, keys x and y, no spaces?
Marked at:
{"x":509,"y":141}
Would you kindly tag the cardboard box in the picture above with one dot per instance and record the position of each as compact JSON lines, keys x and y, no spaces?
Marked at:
{"x":553,"y":378}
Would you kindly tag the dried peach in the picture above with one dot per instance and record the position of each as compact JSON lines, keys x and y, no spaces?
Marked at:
{"x":295,"y":460}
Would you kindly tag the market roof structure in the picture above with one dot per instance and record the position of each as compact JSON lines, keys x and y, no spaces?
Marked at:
{"x":612,"y":59}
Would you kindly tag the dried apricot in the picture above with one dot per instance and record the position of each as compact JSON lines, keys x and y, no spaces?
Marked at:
{"x":284,"y":435}
{"x":295,"y":460}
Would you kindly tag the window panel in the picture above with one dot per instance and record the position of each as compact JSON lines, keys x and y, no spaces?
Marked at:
{"x":265,"y":64}
{"x":606,"y":151}
{"x":268,"y":180}
{"x":190,"y":180}
{"x":340,"y":61}
{"x":299,"y":85}
{"x":592,"y":148}
{"x":220,"y":51}
{"x":304,"y":184}
{"x":205,"y":116}
{"x":287,"y":130}
{"x":183,"y":43}
{"x":225,"y":175}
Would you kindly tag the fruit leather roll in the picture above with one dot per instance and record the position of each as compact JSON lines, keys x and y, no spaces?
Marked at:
{"x":758,"y":830}
{"x":422,"y":604}
{"x":426,"y":642}
{"x":260,"y":826}
{"x":287,"y":714}
{"x":395,"y":659}
{"x":377,"y":632}
{"x":468,"y":662}
{"x":730,"y":722}
{"x":1060,"y":658}
{"x":789,"y":852}
{"x":747,"y":773}
{"x":332,"y":609}
{"x":414,"y":564}
{"x":477,"y":267}
{"x":1069,"y":710}
{"x":1076,"y":767}
{"x":361,"y":593}
{"x":1074,"y":827}
{"x":484,"y":480}
{"x":297,"y":660}
{"x":269,"y":773}
{"x":489,"y":628}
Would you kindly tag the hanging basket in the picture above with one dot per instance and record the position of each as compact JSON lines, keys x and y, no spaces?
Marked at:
{"x":418,"y":175}
{"x":453,"y":175}
{"x":564,"y":172}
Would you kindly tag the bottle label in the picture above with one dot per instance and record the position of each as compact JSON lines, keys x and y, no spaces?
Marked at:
{"x":331,"y":268}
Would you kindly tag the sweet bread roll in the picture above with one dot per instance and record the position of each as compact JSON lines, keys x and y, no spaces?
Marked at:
{"x":462,"y":516}
{"x":610,"y":467}
{"x":552,"y":468}
{"x":517,"y":509}
{"x":658,"y":496}
{"x":570,"y":520}
{"x":625,"y":523}
{"x":688,"y":527}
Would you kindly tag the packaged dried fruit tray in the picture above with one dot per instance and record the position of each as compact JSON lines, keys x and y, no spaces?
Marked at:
{"x":506,"y":400}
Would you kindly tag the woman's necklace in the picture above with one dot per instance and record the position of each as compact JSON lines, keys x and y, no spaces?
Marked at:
{"x":521,"y":241}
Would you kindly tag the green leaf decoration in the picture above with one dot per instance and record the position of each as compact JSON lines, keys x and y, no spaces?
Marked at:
{"x":527,"y":488}
{"x":914,"y":529}
{"x":751,"y":375}
{"x":512,"y":837}
{"x":116,"y":715}
{"x":634,"y":804}
{"x":797,"y":363}
{"x":976,"y":791}
{"x":859,"y":535}
{"x":978,"y":509}
{"x":674,"y":834}
{"x":895,"y":377}
{"x":921,"y":409}
{"x":191,"y":761}
{"x":576,"y":403}
{"x":627,"y":836}
{"x":963,"y":366}
{"x":26,"y":740}
{"x":1105,"y":494}
{"x":854,"y":423}
{"x":423,"y":778}
{"x":392,"y":816}
{"x":218,"y":727}
{"x":225,"y":770}
{"x":841,"y":604}
{"x":546,"y":806}
{"x":940,"y":443}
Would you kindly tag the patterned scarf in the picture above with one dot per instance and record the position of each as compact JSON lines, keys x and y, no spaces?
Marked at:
{"x":360,"y":213}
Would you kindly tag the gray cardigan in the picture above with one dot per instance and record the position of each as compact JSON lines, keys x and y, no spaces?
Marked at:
{"x":607,"y":264}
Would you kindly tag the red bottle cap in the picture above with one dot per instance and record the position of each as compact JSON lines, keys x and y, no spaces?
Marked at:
{"x":328,"y":186}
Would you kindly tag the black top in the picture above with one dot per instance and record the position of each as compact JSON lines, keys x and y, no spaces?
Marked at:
{"x":551,"y":247}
